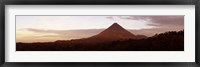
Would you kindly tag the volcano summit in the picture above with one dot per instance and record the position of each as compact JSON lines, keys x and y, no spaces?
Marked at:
{"x":115,"y":32}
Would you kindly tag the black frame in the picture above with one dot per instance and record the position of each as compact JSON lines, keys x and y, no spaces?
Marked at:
{"x":99,"y":2}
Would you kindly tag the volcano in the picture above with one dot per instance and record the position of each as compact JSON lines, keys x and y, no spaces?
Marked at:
{"x":112,"y":33}
{"x":115,"y":32}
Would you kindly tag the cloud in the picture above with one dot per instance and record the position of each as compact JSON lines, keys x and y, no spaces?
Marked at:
{"x":81,"y":31}
{"x":154,"y":25}
{"x":110,"y":17}
{"x":45,"y":31}
{"x":157,"y":20}
{"x":68,"y":34}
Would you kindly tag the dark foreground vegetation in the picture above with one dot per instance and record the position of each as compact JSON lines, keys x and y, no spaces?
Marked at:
{"x":168,"y":41}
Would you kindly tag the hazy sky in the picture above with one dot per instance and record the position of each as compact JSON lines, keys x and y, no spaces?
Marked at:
{"x":51,"y":28}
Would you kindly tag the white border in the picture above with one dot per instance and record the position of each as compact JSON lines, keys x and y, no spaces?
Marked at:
{"x":188,"y":55}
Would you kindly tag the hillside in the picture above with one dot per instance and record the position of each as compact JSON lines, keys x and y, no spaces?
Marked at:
{"x":168,"y":41}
